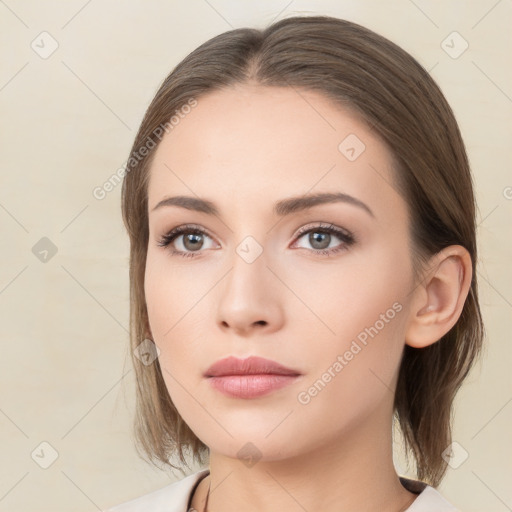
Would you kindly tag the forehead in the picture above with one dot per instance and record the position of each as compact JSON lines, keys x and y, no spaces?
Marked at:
{"x":254,"y":142}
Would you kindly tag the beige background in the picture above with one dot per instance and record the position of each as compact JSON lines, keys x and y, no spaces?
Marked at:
{"x":68,"y":121}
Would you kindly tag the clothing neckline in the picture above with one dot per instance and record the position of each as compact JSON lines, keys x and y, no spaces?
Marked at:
{"x":194,"y":487}
{"x":414,"y":486}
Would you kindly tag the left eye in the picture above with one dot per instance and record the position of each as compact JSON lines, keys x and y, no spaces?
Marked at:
{"x":320,"y":238}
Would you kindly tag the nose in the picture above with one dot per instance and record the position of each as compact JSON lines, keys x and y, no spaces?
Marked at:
{"x":250,"y":298}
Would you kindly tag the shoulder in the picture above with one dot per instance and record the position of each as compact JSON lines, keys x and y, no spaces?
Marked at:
{"x":172,"y":498}
{"x":429,"y":499}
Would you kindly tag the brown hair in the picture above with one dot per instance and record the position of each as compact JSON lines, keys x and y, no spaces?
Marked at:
{"x":395,"y":95}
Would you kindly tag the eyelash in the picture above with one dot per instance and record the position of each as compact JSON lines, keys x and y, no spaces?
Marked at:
{"x":348,"y":239}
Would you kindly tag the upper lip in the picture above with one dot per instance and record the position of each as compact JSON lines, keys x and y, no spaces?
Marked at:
{"x":250,"y":366}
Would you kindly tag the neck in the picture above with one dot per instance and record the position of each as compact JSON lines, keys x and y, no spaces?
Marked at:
{"x":355,"y":472}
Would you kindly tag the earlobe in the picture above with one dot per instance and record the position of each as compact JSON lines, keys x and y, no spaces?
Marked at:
{"x":437,"y":303}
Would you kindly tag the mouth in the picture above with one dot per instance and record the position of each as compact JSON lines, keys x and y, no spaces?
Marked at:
{"x":251,"y":366}
{"x":249,"y":378}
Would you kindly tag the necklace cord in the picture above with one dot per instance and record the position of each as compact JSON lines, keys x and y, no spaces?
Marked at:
{"x":205,"y":509}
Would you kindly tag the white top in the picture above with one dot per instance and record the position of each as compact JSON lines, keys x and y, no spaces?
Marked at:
{"x":176,"y":496}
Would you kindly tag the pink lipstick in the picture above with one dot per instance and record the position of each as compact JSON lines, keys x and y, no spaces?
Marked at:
{"x":249,"y":378}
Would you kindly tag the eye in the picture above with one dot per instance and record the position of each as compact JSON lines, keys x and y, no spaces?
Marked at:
{"x":189,"y":240}
{"x":320,"y":237}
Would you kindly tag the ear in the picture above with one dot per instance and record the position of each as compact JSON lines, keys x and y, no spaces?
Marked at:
{"x":438,"y":300}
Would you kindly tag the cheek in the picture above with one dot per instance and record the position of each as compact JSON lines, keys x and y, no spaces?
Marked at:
{"x":356,"y":313}
{"x":353,"y":373}
{"x":176,"y":303}
{"x":170,"y":293}
{"x":339,"y":299}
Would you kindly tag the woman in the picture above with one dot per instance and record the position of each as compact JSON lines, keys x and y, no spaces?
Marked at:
{"x":302,"y":227}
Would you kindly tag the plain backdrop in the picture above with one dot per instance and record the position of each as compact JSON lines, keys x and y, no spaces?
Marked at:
{"x":75,"y":80}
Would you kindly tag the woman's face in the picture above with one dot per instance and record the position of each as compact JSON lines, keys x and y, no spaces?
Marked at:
{"x":270,"y":281}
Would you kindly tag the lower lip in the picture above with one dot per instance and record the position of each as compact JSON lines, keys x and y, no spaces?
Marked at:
{"x":250,"y":386}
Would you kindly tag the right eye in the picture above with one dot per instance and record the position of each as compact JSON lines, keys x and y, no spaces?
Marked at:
{"x":190,"y":240}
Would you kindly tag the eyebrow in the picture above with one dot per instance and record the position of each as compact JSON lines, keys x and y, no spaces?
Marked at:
{"x":281,"y":208}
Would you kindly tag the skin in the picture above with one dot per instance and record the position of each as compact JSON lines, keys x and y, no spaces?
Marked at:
{"x":244,"y":148}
